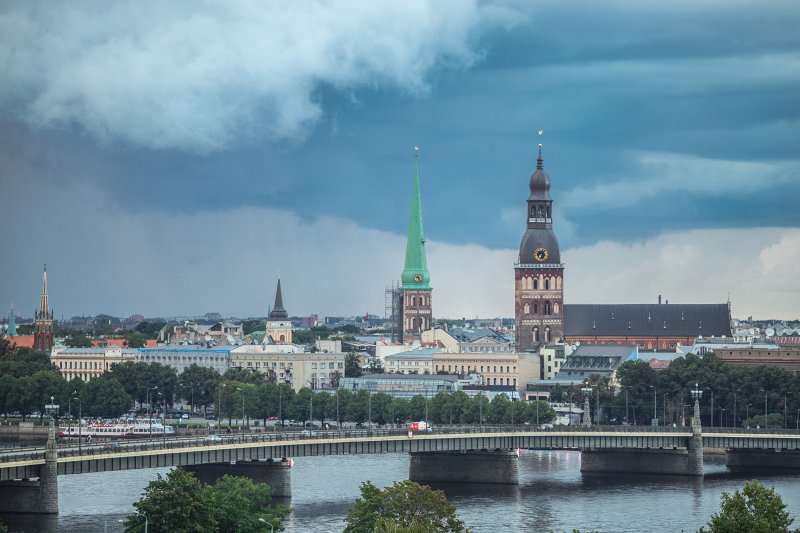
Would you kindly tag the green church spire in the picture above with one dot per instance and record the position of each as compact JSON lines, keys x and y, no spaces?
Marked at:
{"x":12,"y":326}
{"x":415,"y":274}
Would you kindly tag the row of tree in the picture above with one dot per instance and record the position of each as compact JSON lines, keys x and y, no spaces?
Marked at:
{"x":732,"y":395}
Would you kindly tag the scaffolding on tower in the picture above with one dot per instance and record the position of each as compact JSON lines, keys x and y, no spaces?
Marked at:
{"x":393,"y":311}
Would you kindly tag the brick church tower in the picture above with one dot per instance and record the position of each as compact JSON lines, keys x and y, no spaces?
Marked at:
{"x":539,"y":272}
{"x":415,"y":288}
{"x":43,"y":334}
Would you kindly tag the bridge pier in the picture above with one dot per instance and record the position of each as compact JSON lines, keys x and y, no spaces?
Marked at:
{"x":641,"y":461}
{"x":760,"y":459}
{"x":32,"y":496}
{"x":471,"y":466}
{"x":276,"y":474}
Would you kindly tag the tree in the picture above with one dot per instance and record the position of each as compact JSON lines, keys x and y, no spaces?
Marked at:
{"x":405,"y":506}
{"x":134,"y":339}
{"x":105,"y":396}
{"x":197,"y":384}
{"x":150,"y":329}
{"x":180,"y":503}
{"x":78,"y":340}
{"x":240,"y":505}
{"x":177,"y":503}
{"x":352,"y":365}
{"x":756,"y":508}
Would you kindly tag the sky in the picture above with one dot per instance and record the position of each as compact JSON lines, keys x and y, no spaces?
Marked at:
{"x":177,"y":158}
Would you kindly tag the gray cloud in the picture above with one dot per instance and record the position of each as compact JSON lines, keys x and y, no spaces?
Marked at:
{"x":199,"y":76}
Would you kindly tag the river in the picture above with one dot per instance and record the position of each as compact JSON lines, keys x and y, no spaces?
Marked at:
{"x":552,"y":495}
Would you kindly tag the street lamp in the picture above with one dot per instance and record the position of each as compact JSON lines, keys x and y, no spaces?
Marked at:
{"x":665,"y":408}
{"x":766,"y":423}
{"x":655,"y":406}
{"x":150,"y":409}
{"x":80,"y":419}
{"x":587,"y":391}
{"x":697,"y":393}
{"x":272,"y":529}
{"x":219,"y":406}
{"x":627,"y":420}
{"x":242,"y":426}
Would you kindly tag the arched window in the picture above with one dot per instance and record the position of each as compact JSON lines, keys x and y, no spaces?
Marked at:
{"x":547,"y":334}
{"x":526,"y":309}
{"x":535,"y":334}
{"x":547,"y":308}
{"x":535,"y":283}
{"x":555,"y":308}
{"x":413,"y":301}
{"x":535,"y":308}
{"x":546,"y":284}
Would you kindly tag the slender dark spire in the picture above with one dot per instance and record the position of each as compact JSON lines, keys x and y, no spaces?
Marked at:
{"x":278,"y":312}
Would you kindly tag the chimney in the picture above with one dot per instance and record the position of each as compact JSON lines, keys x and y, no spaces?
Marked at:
{"x":659,"y":299}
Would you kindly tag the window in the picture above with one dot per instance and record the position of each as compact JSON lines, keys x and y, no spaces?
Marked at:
{"x":535,"y":283}
{"x":546,"y":284}
{"x":547,"y":307}
{"x":314,"y":365}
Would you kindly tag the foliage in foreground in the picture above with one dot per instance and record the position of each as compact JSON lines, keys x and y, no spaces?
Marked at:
{"x":755,"y":509}
{"x":180,"y":503}
{"x":405,"y":507}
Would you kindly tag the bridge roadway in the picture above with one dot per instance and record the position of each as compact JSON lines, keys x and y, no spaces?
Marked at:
{"x":182,"y":451}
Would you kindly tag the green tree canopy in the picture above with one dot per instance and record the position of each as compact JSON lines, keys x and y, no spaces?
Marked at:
{"x":352,"y":365}
{"x":756,"y":508}
{"x":405,"y":506}
{"x":180,"y":503}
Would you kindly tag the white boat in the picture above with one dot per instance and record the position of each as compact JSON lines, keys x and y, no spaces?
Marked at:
{"x":119,"y":430}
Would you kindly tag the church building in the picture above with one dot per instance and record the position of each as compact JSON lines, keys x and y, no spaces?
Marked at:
{"x":538,"y":272}
{"x":279,"y":327}
{"x":43,"y":323}
{"x":415,"y":288}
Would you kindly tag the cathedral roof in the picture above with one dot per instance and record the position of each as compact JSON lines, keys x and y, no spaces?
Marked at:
{"x":647,"y":320}
{"x":539,"y":238}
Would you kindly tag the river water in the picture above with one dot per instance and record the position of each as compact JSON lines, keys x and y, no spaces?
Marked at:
{"x":552,"y":495}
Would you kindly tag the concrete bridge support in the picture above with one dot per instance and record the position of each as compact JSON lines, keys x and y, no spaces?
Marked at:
{"x":34,"y":496}
{"x":472,"y":466}
{"x":276,"y":474}
{"x":763,"y":459}
{"x":641,"y":461}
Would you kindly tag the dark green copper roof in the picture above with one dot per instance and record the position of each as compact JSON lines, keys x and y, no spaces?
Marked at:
{"x":416,"y":262}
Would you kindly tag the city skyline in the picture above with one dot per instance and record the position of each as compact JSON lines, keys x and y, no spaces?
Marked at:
{"x":180,"y":164}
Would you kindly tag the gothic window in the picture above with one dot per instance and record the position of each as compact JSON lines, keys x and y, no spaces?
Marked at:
{"x":541,"y":212}
{"x":535,"y":283}
{"x":527,"y":309}
{"x":546,"y":284}
{"x":547,"y":334}
{"x":555,"y":308}
{"x":558,"y":282}
{"x":413,"y":301}
{"x":535,"y":334}
{"x":547,"y":310}
{"x":535,"y":308}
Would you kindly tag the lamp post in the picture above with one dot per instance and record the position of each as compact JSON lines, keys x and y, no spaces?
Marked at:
{"x":747,"y":411}
{"x":280,"y":403}
{"x":627,"y":420}
{"x":665,"y":408}
{"x":219,"y":406}
{"x":655,"y":406}
{"x":712,"y":407}
{"x":80,"y":420}
{"x":785,"y":398}
{"x":766,"y":423}
{"x":338,"y":421}
{"x":241,"y":428}
{"x":369,"y":410}
{"x":150,"y":410}
{"x":735,"y":423}
{"x":271,"y":529}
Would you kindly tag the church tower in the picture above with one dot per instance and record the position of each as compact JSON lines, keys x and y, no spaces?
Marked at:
{"x":415,"y":288}
{"x":539,"y":272}
{"x":43,"y":333}
{"x":11,"y":330}
{"x":279,"y":327}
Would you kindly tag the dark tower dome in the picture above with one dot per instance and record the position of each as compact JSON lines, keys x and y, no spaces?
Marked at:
{"x":540,"y":181}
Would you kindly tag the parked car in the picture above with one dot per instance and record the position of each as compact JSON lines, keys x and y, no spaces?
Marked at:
{"x":185,"y":416}
{"x":308,"y":433}
{"x":213,"y":438}
{"x":114,"y":446}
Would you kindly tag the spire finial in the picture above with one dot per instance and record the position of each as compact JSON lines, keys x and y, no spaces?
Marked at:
{"x":539,"y":160}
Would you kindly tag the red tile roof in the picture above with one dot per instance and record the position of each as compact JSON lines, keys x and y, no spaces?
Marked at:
{"x":22,"y":341}
{"x":659,"y":364}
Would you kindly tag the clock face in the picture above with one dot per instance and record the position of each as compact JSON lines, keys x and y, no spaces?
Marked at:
{"x":417,"y":277}
{"x":540,"y":254}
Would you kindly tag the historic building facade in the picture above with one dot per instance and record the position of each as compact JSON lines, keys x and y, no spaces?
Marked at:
{"x":43,"y":323}
{"x":538,"y":272}
{"x":415,"y":288}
